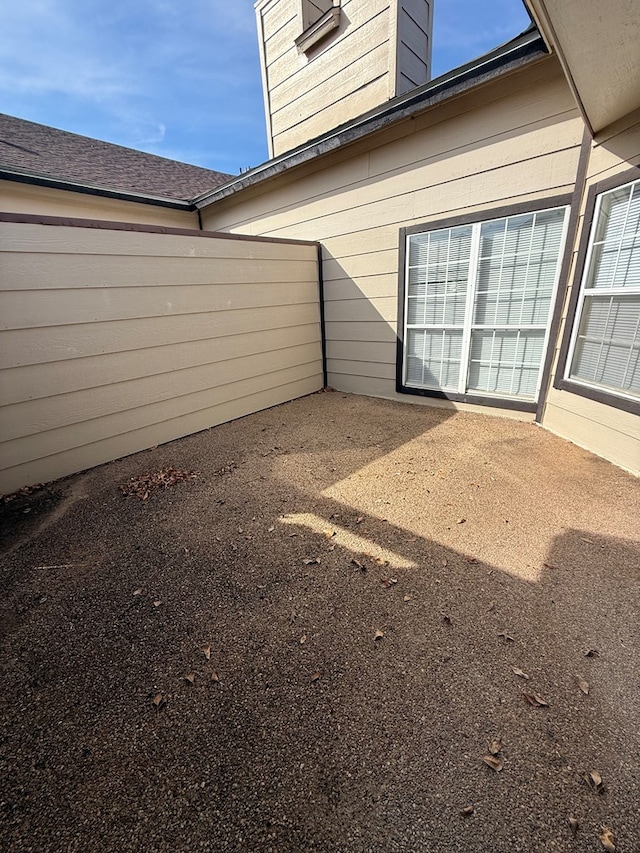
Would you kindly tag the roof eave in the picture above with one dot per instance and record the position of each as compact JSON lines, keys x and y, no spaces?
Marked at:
{"x":527,"y":47}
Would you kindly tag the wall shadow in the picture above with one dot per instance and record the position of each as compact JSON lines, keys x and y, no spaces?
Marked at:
{"x":384,"y":748}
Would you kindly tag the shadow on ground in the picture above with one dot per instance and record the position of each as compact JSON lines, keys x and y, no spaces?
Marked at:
{"x":475,"y":545}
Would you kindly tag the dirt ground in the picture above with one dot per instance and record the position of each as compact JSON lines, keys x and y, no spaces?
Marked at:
{"x":311,"y":645}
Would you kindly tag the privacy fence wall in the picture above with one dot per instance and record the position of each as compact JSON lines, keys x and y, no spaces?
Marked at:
{"x":113,"y":340}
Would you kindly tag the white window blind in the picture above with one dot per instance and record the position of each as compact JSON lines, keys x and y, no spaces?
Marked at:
{"x":605,"y":351}
{"x":478,"y":301}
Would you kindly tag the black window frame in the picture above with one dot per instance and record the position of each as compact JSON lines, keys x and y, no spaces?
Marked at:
{"x":519,"y":208}
{"x":599,"y":395}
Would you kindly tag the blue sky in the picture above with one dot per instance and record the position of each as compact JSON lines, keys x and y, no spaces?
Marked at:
{"x":180,"y":79}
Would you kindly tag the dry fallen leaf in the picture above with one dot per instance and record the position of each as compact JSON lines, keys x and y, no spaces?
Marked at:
{"x":378,"y":635}
{"x":495,"y":746}
{"x":142,"y":486}
{"x":138,"y":591}
{"x":303,"y":639}
{"x":310,"y":561}
{"x":591,"y":653}
{"x":535,"y":700}
{"x":214,"y":676}
{"x":191,"y":677}
{"x":359,"y":519}
{"x":157,"y":603}
{"x":467,"y":810}
{"x":207,"y":652}
{"x":607,"y":840}
{"x":407,"y":598}
{"x":520,"y":673}
{"x":357,"y":563}
{"x":594,"y":781}
{"x":583,"y":685}
{"x":575,"y":826}
{"x":271,"y":529}
{"x":493,"y":762}
{"x":315,"y":676}
{"x":158,"y":700}
{"x":461,"y":520}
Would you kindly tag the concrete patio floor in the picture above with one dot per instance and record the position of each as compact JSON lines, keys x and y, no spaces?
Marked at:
{"x":364,"y":578}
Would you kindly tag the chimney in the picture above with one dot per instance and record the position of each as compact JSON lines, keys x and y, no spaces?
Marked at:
{"x":324,"y":62}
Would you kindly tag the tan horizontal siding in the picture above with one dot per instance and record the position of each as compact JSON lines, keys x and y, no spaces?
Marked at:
{"x":44,"y":416}
{"x":105,"y":353}
{"x":24,"y":198}
{"x":363,"y":330}
{"x":317,"y":81}
{"x":373,"y":369}
{"x":606,"y":430}
{"x":254,"y":398}
{"x":34,"y":381}
{"x":70,"y":241}
{"x":327,"y":107}
{"x":26,"y":309}
{"x":515,"y":140}
{"x":31,"y":346}
{"x":367,"y":351}
{"x":311,"y":94}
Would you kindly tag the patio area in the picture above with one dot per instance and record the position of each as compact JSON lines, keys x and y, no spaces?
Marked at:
{"x":348,"y":625}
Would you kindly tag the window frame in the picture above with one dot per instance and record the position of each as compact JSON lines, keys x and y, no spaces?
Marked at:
{"x":562,"y":382}
{"x":316,"y":31}
{"x":481,"y":216}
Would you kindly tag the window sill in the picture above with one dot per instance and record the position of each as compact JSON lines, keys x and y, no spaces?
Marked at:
{"x":599,"y":395}
{"x":318,"y":31}
{"x":475,"y":399}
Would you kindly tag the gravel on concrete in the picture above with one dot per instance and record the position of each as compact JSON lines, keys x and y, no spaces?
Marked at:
{"x":311,"y":645}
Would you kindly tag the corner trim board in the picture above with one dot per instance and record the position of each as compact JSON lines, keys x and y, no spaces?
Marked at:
{"x":565,"y":269}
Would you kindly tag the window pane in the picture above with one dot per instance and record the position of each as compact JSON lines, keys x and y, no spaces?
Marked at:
{"x":615,"y":258}
{"x":608,"y":344}
{"x":438,"y":277}
{"x":506,"y":362}
{"x":515,"y":288}
{"x":433,"y":358}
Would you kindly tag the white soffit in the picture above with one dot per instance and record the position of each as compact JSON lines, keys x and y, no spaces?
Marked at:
{"x":598,"y":44}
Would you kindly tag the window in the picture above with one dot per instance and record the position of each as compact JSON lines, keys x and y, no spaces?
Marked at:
{"x":604,"y":352}
{"x":478,"y":299}
{"x":313,"y":10}
{"x":319,"y":19}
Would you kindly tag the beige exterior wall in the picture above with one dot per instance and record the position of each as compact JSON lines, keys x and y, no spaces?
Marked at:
{"x":514,"y":140}
{"x":16,"y":197}
{"x":605,"y":430}
{"x":381,"y":48}
{"x":114,"y":341}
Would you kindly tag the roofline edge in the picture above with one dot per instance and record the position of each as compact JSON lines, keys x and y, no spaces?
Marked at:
{"x":25,"y":177}
{"x":525,"y":48}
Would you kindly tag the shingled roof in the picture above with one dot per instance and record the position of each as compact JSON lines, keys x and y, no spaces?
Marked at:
{"x":50,"y":153}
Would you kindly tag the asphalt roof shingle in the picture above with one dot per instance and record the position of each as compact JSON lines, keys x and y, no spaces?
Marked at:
{"x":60,"y":155}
